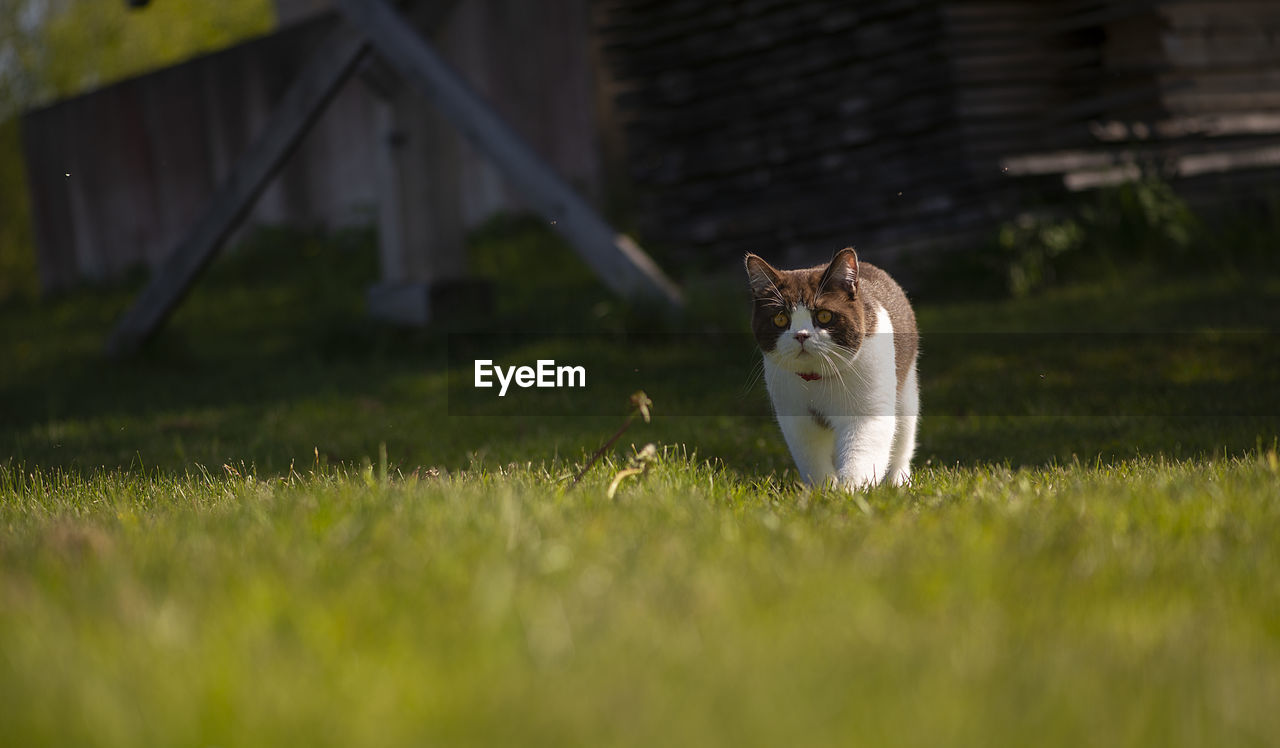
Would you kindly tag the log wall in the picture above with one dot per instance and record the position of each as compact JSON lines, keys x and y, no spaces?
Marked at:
{"x":911,"y":126}
{"x":784,"y":127}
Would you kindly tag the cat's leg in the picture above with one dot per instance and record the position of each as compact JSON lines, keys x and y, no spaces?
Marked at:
{"x":862,"y":448}
{"x":904,"y":436}
{"x":811,"y":447}
{"x":864,"y":437}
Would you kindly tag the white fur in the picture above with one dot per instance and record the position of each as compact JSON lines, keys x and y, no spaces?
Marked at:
{"x":873,"y":421}
{"x":904,"y":437}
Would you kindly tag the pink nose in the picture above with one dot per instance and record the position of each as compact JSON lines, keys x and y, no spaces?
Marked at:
{"x":802,"y":336}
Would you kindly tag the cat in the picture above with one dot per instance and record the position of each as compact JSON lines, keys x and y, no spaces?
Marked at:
{"x":839,"y":343}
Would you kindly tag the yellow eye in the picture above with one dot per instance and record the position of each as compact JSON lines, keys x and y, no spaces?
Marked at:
{"x":780,"y":319}
{"x":824,"y":317}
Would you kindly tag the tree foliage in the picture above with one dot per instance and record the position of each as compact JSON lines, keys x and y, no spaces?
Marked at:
{"x":93,"y":42}
{"x":58,"y":48}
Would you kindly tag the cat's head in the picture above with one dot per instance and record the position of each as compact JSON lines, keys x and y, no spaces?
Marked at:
{"x":807,"y":320}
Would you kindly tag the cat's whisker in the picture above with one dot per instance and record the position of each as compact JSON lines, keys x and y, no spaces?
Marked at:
{"x":847,"y":360}
{"x":776,"y":293}
{"x":774,"y":287}
{"x":858,"y":375}
{"x":838,"y":370}
{"x":754,"y":377}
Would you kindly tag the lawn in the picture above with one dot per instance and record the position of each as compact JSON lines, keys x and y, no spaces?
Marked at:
{"x":285,"y":524}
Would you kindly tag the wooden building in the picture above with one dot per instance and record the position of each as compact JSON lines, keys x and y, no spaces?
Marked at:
{"x":118,"y":175}
{"x":785,"y":127}
{"x":793,"y":127}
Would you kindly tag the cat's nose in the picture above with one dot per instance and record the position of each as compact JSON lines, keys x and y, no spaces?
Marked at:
{"x":802,"y":335}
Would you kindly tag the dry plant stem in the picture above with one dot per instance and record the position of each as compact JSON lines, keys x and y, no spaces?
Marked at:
{"x":617,"y":479}
{"x":595,"y":457}
{"x":640,"y":404}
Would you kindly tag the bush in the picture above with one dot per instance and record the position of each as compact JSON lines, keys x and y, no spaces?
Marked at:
{"x":1143,"y":221}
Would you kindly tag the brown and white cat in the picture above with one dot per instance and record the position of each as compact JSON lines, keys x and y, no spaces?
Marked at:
{"x":839,"y":343}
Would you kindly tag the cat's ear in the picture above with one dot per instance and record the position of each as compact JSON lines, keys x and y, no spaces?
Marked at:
{"x":842,"y":273}
{"x":761,"y":275}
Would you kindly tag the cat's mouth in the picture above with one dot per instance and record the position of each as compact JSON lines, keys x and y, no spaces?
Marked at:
{"x":803,"y":362}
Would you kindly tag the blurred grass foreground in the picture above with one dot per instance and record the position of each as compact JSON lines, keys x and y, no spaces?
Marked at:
{"x":286,"y":524}
{"x":274,"y":529}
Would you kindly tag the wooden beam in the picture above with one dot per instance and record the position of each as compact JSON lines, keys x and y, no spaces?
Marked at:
{"x":330,"y":65}
{"x":616,"y":259}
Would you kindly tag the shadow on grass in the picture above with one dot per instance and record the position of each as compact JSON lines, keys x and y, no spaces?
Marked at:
{"x":272,"y":362}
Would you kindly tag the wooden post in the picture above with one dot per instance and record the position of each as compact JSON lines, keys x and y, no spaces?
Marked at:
{"x":300,"y":107}
{"x":421,"y":236}
{"x":615,"y":258}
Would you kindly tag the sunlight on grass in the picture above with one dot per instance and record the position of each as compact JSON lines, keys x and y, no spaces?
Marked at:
{"x":1044,"y":606}
{"x":272,"y":528}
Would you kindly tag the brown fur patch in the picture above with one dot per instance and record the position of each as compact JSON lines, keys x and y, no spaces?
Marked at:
{"x":849,"y":289}
{"x":821,"y":420}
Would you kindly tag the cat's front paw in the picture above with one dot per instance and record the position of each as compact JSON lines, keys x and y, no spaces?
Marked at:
{"x":863,"y":482}
{"x":866,"y":480}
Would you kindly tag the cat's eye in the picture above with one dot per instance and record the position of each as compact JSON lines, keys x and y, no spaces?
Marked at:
{"x":780,"y":319}
{"x":824,"y":317}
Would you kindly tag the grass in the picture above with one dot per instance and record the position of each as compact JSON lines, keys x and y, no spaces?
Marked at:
{"x":277,"y":526}
{"x":1135,"y":603}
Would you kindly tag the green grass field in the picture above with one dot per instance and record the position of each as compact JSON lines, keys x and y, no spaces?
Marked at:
{"x":273,"y":529}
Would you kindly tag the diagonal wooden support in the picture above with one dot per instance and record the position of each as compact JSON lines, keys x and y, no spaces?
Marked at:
{"x":297,"y":111}
{"x":619,"y":261}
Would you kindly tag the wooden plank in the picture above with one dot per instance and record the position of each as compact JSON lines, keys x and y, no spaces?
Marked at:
{"x":1192,"y":103}
{"x":1221,"y":15}
{"x":1250,"y":48}
{"x":182,"y":172}
{"x":1218,"y":125}
{"x":301,"y":105}
{"x":616,"y":259}
{"x":49,"y":173}
{"x":1133,"y":97}
{"x":1110,"y":12}
{"x":1261,"y":157}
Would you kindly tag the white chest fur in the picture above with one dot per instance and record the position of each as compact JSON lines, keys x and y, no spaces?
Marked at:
{"x":853,"y":426}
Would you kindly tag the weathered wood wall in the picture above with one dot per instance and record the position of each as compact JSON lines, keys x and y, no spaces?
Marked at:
{"x":143,"y":155}
{"x":118,"y":175}
{"x":787,"y":127}
{"x":1184,"y":90}
{"x":796,"y":127}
